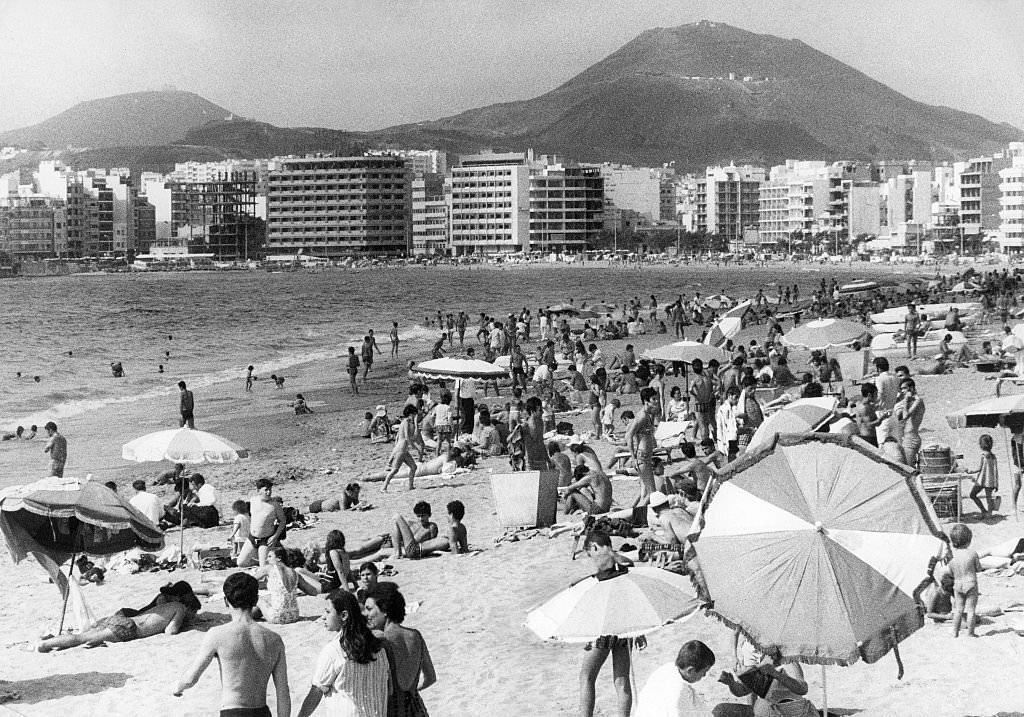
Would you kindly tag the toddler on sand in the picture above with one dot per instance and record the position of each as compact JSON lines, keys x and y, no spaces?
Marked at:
{"x":965,"y":566}
{"x":240,"y":533}
{"x":608,"y":418}
{"x":986,"y":478}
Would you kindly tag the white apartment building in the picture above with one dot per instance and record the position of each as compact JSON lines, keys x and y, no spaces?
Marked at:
{"x":339,"y":206}
{"x":1011,"y":202}
{"x":790,"y":200}
{"x":420,"y":161}
{"x":429,"y":221}
{"x":488,"y":198}
{"x":648,"y":192}
{"x":728,"y":201}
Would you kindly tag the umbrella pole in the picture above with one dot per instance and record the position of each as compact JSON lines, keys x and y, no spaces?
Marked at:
{"x":64,"y":609}
{"x":1009,"y":463}
{"x":181,"y":522}
{"x":824,"y":693}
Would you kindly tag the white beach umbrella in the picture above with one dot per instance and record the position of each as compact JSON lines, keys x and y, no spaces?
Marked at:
{"x":182,"y":445}
{"x":459,"y":368}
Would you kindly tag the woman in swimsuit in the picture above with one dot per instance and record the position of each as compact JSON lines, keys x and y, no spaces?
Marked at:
{"x":408,"y":437}
{"x":910,"y":413}
{"x":641,"y":442}
{"x":281,"y":582}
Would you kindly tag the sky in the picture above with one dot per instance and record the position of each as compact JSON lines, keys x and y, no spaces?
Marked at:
{"x":368,"y":64}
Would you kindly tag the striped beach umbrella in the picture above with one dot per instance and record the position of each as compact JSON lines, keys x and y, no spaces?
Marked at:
{"x":815,"y":549}
{"x":801,"y":416}
{"x":631,"y":604}
{"x":447,"y":367}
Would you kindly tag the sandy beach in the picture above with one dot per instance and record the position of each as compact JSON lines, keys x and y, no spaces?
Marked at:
{"x":471,"y":608}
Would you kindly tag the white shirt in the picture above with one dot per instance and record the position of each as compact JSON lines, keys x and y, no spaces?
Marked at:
{"x":467,"y":388}
{"x":149,"y":505}
{"x":207,"y":495}
{"x":667,"y":694}
{"x":353,"y":690}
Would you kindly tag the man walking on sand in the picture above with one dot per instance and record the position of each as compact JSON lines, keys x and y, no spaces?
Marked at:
{"x":186,"y":405}
{"x":247,"y":653}
{"x":57,"y":447}
{"x":266,"y":523}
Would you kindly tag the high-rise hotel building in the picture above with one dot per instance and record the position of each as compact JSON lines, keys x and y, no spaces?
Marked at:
{"x":339,"y":206}
{"x":488,"y":199}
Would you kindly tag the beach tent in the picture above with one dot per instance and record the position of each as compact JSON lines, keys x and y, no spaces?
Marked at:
{"x":815,"y":546}
{"x":182,"y":445}
{"x":55,"y":519}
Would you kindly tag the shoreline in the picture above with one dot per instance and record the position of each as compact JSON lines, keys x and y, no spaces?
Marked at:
{"x":472,"y":607}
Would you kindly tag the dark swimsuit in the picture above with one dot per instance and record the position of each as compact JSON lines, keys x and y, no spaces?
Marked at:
{"x":257,"y":542}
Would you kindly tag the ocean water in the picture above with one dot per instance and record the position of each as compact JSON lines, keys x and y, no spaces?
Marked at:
{"x":214,"y":324}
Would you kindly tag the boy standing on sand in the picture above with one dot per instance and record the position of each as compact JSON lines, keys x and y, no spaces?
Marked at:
{"x":247,"y":653}
{"x":353,"y":370}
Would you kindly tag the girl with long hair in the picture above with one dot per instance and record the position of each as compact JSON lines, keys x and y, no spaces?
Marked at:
{"x":352,"y":673}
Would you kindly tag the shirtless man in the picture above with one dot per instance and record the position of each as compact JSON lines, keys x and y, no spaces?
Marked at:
{"x":692,"y":466}
{"x":166,"y":614}
{"x":267,"y":522}
{"x":248,"y":655}
{"x":671,"y":525}
{"x":595,"y":481}
{"x":866,"y":417}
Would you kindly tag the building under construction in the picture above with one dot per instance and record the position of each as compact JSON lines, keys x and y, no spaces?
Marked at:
{"x":218,"y":216}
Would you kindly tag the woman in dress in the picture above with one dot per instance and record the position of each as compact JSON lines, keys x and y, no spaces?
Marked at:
{"x":411,"y":667}
{"x":678,"y":407}
{"x":352,"y":674}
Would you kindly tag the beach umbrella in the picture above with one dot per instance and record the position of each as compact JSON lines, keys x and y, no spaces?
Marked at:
{"x":686,"y":352}
{"x":964,"y":287}
{"x":562,"y":309}
{"x":802,"y":416}
{"x":182,"y":445}
{"x":635,"y":603}
{"x":719,"y":301}
{"x":55,"y":519}
{"x":460,"y":369}
{"x":815,"y":547}
{"x":989,"y":413}
{"x":602,"y":308}
{"x":824,"y":334}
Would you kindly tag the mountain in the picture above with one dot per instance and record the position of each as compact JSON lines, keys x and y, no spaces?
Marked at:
{"x":136,"y":119}
{"x":708,"y":93}
{"x":698,"y":94}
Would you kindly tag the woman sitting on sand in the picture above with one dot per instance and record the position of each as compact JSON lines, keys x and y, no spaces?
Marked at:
{"x":327,"y":570}
{"x":281,"y":582}
{"x":783,"y":689}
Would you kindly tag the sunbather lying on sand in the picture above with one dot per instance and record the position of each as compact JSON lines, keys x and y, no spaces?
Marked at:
{"x":169,"y":611}
{"x":445,"y":464}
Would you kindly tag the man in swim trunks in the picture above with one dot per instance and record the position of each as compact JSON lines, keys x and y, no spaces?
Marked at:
{"x":247,"y":653}
{"x":186,"y":405}
{"x":266,"y":523}
{"x":57,"y":447}
{"x":167,"y":613}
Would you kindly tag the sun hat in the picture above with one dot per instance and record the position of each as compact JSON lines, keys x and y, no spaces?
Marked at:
{"x":658,"y":499}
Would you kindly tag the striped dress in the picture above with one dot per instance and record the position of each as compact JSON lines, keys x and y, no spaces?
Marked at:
{"x":352,"y":689}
